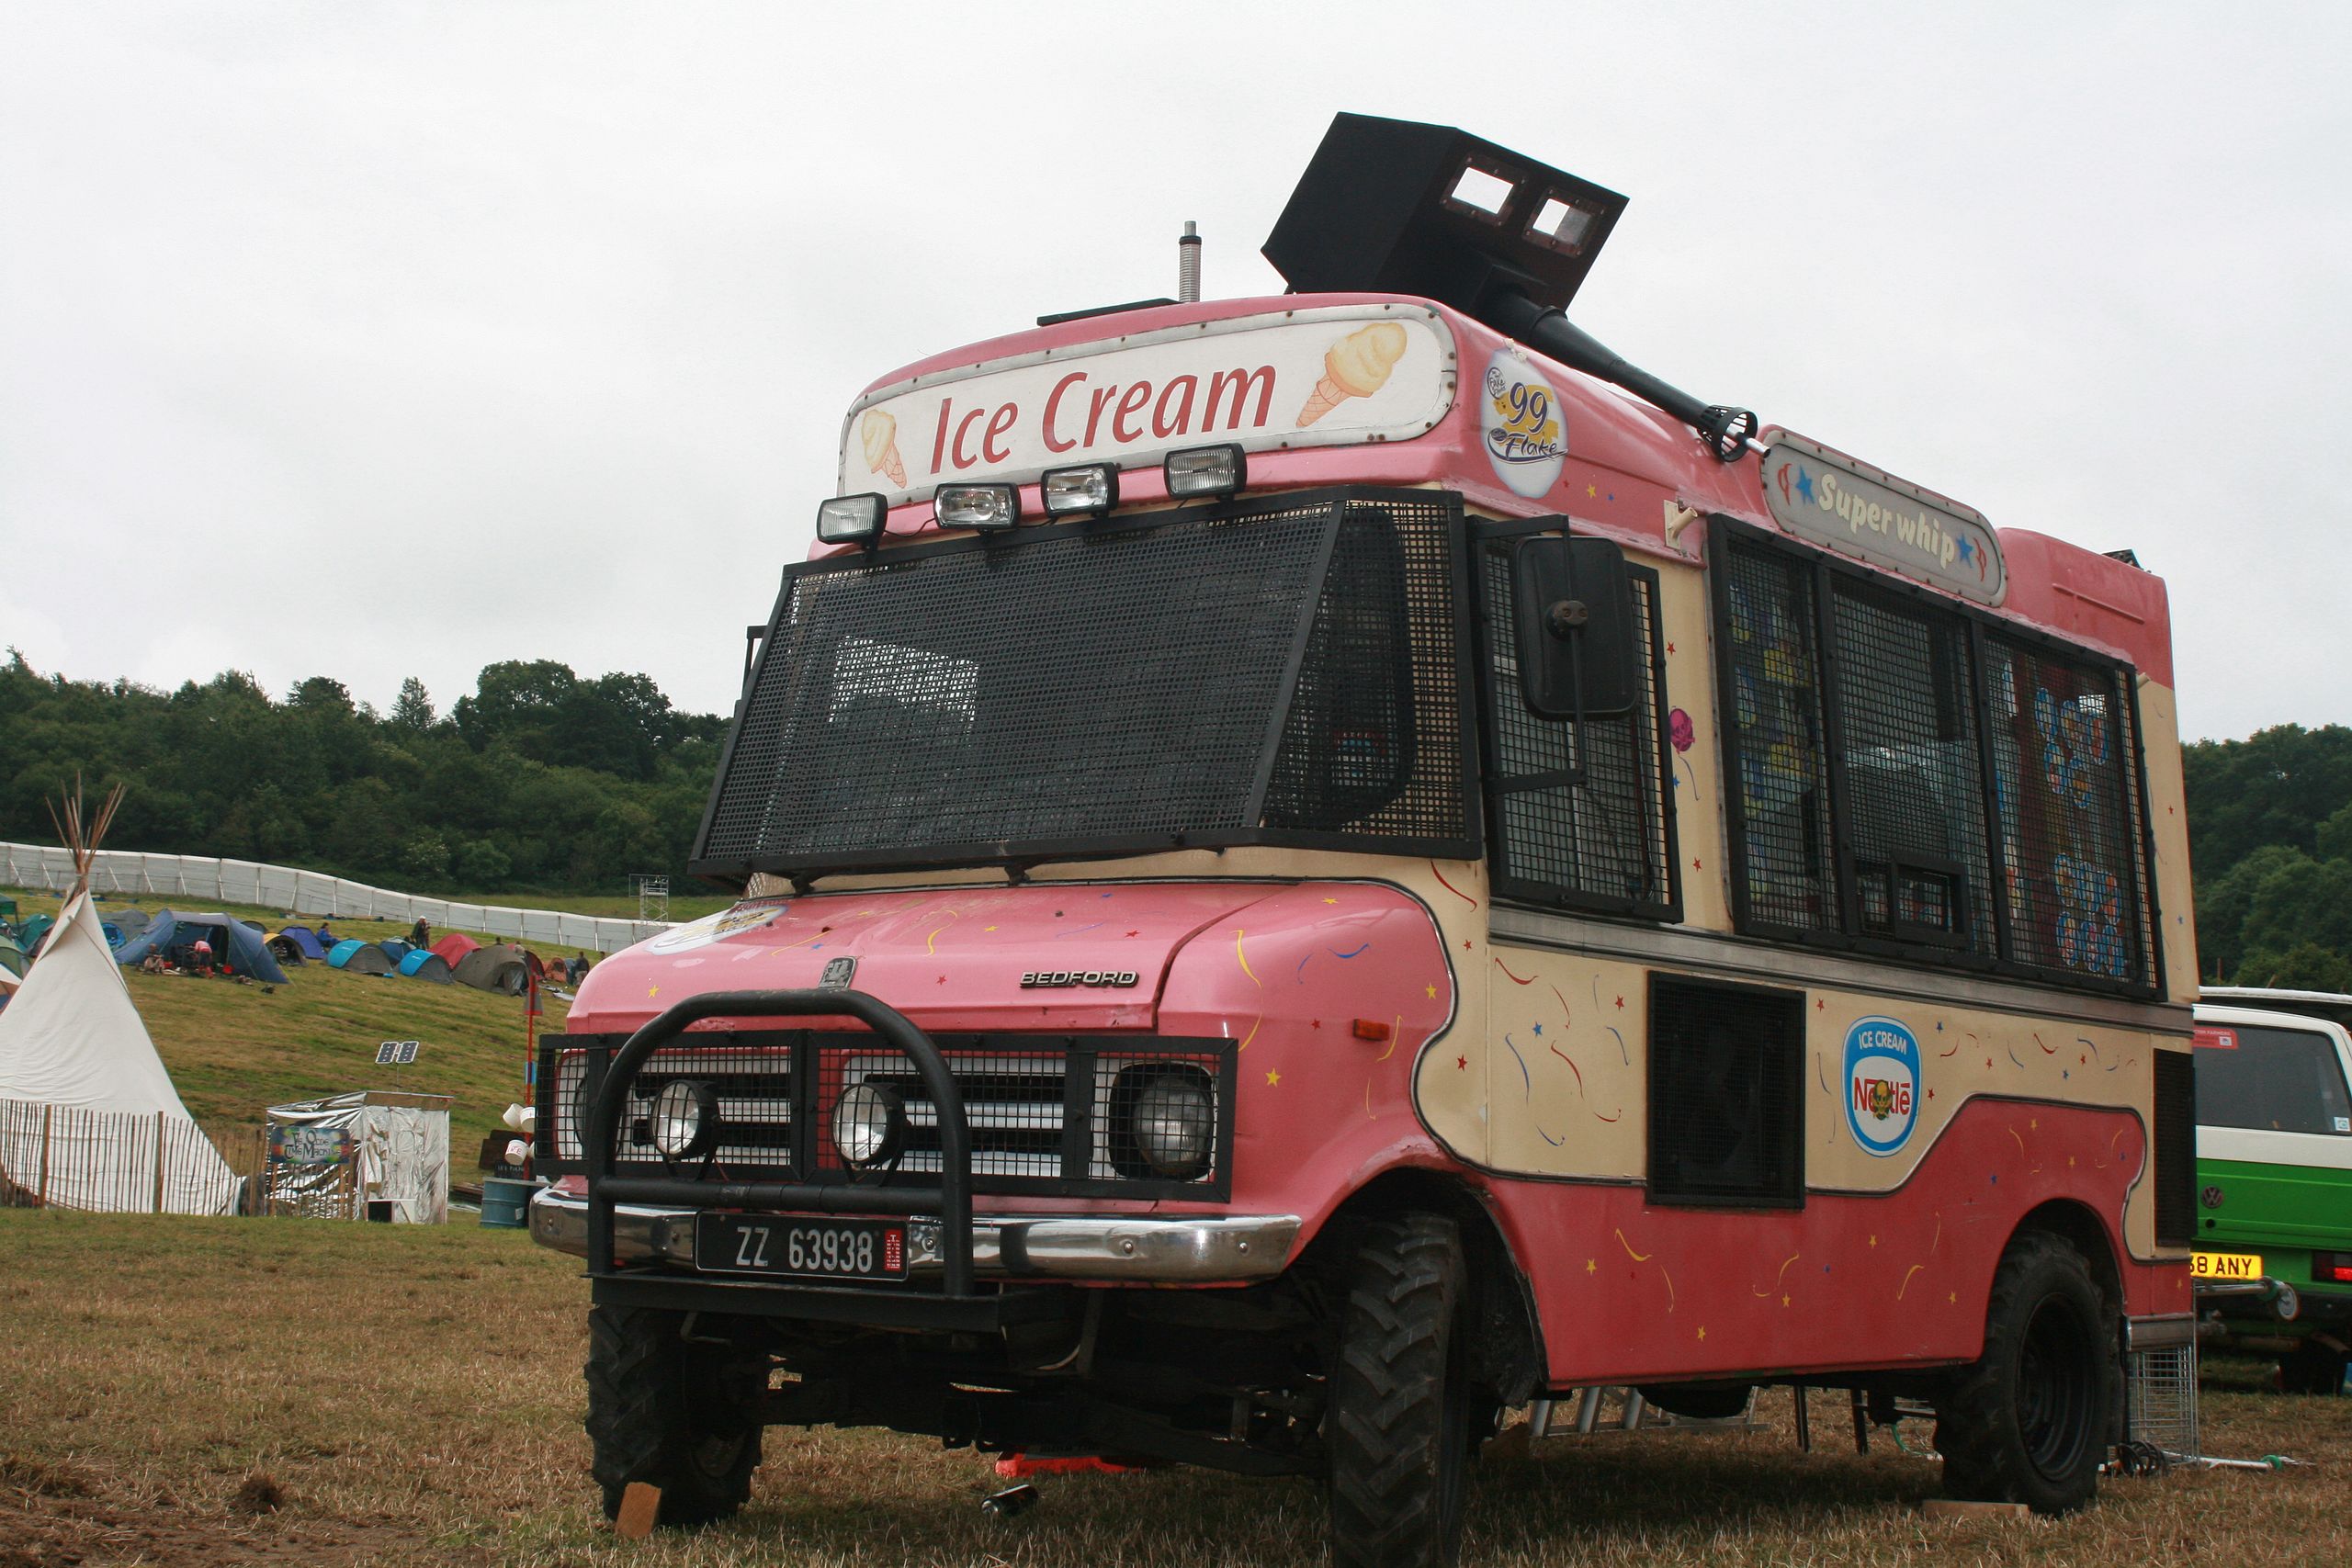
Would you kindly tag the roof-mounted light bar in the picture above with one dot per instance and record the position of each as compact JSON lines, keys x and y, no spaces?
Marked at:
{"x":985,"y":509}
{"x":1198,"y":472}
{"x":852,"y":519}
{"x":1088,"y":490}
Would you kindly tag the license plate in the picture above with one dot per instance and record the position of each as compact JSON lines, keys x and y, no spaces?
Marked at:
{"x":799,"y":1248}
{"x":2225,"y":1265}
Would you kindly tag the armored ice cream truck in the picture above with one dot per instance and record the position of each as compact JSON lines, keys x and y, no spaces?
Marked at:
{"x":1319,"y":868}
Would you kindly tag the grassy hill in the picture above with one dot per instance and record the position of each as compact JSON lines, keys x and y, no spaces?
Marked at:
{"x":233,"y":1051}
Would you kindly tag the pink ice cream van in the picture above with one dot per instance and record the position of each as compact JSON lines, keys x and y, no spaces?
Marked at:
{"x":1320,"y":869}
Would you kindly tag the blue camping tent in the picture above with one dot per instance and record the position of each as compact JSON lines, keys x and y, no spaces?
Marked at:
{"x":235,"y":947}
{"x":423,"y":964}
{"x":395,"y":949}
{"x":359,"y":957}
{"x":301,"y":938}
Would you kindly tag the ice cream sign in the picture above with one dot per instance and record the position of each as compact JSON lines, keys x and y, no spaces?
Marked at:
{"x":1845,"y":504}
{"x":1882,"y":1083}
{"x":1289,"y":379}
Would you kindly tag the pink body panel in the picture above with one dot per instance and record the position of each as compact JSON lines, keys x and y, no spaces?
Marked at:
{"x":949,"y":959}
{"x":1626,"y":462}
{"x":1631,"y":1290}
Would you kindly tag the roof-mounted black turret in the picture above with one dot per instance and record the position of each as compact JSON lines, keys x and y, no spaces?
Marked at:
{"x":1396,"y":207}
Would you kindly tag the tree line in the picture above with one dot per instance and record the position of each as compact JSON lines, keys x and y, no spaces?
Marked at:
{"x":545,"y":779}
{"x":2270,"y":846}
{"x":540,"y":778}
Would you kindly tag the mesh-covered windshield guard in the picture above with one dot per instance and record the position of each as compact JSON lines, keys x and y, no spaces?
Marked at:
{"x":1285,"y":672}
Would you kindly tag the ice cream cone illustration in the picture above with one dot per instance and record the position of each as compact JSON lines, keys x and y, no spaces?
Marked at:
{"x":878,"y":432}
{"x":1357,"y":366}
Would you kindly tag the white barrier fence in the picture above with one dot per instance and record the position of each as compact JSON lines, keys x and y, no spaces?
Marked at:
{"x":130,"y":873}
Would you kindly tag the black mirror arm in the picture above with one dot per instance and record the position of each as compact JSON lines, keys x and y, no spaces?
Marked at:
{"x":1568,"y":618}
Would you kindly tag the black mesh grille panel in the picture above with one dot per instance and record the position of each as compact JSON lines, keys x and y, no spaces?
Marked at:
{"x":1778,"y":766}
{"x":2064,"y":766}
{"x":1373,"y":743}
{"x":752,"y":1085}
{"x":1112,"y":687}
{"x":1605,"y":843}
{"x":1915,"y":788}
{"x":1941,"y":782}
{"x":1119,"y":1116}
{"x":1726,"y":1113}
{"x":2176,"y":1151}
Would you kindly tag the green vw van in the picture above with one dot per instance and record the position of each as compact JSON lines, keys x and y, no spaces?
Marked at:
{"x":2273,"y":1262}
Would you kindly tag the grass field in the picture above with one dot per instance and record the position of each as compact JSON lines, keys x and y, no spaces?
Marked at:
{"x":233,"y":1051}
{"x":413,"y":1396}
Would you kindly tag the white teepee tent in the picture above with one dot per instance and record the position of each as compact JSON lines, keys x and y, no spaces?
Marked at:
{"x":88,"y":1116}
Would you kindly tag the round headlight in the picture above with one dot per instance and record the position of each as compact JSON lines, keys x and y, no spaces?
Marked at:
{"x":1175,"y":1126}
{"x":869,"y":1124}
{"x":686,"y":1119}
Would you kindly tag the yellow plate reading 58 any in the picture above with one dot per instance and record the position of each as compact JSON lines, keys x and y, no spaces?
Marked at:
{"x":2225,"y":1265}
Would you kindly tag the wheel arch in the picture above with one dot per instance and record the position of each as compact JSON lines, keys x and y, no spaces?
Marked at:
{"x":2078,"y":1225}
{"x":1510,"y":1338}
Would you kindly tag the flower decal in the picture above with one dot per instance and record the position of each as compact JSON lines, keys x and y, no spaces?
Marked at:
{"x":2090,"y":918}
{"x":2073,"y":745}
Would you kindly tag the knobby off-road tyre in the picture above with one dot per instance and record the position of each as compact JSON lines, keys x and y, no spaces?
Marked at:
{"x":1397,"y":1429}
{"x":2027,"y":1422}
{"x":671,"y":1413}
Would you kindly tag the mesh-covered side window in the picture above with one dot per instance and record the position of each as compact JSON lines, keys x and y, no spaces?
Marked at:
{"x":1373,"y":744}
{"x":1777,"y":767}
{"x":1606,"y":842}
{"x":1905,"y":722}
{"x":2176,"y":1148}
{"x":2065,"y":767}
{"x":1725,"y":1094}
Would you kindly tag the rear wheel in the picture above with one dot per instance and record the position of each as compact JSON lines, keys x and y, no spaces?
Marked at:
{"x":2027,"y":1422}
{"x":676,"y":1414}
{"x":1400,"y":1427}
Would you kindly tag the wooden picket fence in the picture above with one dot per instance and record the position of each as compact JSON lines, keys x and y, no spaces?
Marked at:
{"x":63,"y":1157}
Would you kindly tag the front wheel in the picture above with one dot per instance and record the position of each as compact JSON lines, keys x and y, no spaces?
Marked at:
{"x":676,"y":1414}
{"x":2027,"y":1422}
{"x":2315,"y":1366}
{"x":1399,"y":1429}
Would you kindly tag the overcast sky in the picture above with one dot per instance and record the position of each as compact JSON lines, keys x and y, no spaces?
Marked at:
{"x":384,"y":340}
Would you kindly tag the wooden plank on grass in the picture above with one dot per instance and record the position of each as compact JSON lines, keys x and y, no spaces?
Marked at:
{"x":641,"y":1505}
{"x":1951,"y":1507}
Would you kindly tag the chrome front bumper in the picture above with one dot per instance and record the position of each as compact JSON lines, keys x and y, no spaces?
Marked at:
{"x":1175,"y":1249}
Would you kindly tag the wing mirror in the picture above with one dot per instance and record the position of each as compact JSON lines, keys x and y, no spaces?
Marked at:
{"x":1574,"y":609}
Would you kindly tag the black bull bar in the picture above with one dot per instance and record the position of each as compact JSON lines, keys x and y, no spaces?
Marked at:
{"x":951,"y":1200}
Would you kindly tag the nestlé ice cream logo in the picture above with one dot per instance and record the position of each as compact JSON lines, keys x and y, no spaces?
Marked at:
{"x":1882,"y":1083}
{"x":1526,"y":437}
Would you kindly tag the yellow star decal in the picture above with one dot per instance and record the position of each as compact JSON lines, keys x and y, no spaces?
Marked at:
{"x":1784,"y":1300}
{"x":652,"y":990}
{"x":1591,"y":491}
{"x":1952,"y":1297}
{"x":1330,"y":900}
{"x":988,"y":927}
{"x":2034,"y":1125}
{"x":1429,"y":991}
{"x":1703,"y":1331}
{"x":1272,"y":1078}
{"x":2070,"y":1161}
{"x":1873,"y":1241}
{"x":1591,"y":1265}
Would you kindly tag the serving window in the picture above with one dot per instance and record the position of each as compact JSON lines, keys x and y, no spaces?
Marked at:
{"x":1911,"y":777}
